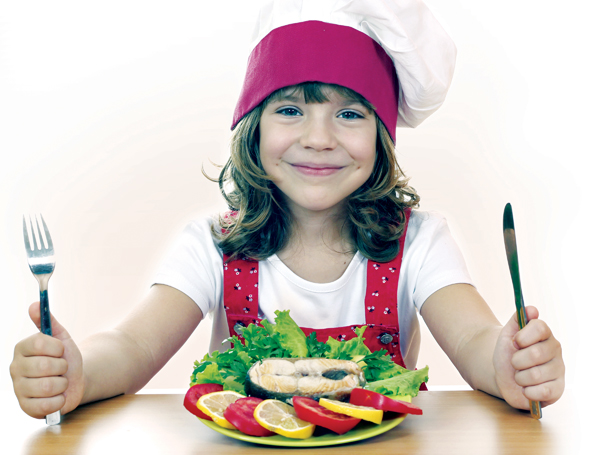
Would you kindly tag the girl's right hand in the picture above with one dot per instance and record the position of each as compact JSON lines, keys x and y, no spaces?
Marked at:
{"x":47,"y":371}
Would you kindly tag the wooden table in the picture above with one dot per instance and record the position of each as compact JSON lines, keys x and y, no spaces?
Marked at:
{"x":454,"y":422}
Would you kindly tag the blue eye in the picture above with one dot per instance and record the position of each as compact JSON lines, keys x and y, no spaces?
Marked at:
{"x":350,"y":115}
{"x":289,"y":111}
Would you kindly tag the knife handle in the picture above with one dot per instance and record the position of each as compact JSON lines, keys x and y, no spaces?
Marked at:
{"x":534,"y":406}
{"x":535,"y":409}
{"x":522,"y":315}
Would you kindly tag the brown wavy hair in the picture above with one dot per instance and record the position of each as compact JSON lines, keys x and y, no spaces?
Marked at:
{"x":260,"y":225}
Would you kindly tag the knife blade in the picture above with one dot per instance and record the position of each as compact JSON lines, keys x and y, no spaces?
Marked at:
{"x":510,"y":243}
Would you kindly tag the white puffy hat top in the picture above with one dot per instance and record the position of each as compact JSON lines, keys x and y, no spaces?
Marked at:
{"x":421,"y":54}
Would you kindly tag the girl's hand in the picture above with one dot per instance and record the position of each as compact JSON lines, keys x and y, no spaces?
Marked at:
{"x":529,"y":363}
{"x":47,"y":372}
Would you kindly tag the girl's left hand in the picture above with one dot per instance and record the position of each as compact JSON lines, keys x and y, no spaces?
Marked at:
{"x":529,"y":363}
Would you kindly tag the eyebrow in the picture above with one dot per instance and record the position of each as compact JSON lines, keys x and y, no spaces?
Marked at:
{"x":348,"y":102}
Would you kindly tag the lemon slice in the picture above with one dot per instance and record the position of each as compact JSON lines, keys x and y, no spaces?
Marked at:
{"x":362,"y":412}
{"x":214,"y":405}
{"x":281,"y":418}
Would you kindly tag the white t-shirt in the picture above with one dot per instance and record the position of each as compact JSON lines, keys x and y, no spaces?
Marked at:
{"x":431,"y":261}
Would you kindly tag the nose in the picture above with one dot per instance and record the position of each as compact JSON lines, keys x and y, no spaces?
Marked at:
{"x":318,"y":135}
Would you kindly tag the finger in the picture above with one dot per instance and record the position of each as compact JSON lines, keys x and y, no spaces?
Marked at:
{"x":41,"y":407}
{"x":534,"y":332}
{"x":512,"y":326}
{"x":58,"y":331}
{"x":546,"y":393}
{"x":43,"y":366}
{"x":40,"y":345}
{"x":536,"y":354}
{"x":42,"y":387}
{"x":540,"y":374}
{"x":532,"y":312}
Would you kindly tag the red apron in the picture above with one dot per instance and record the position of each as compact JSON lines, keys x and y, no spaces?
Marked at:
{"x":381,"y":302}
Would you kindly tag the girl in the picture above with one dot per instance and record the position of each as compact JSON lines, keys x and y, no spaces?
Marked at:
{"x":322,"y":213}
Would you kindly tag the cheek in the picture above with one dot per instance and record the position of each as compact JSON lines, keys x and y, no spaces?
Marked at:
{"x":269,"y":155}
{"x":266,"y":153}
{"x":370,"y":157}
{"x":367,"y":156}
{"x":366,"y":147}
{"x":272,"y":149}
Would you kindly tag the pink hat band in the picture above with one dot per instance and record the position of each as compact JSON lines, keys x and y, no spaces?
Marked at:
{"x":321,"y":52}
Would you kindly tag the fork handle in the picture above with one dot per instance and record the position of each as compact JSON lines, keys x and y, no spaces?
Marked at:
{"x":46,"y":328}
{"x":54,"y":418}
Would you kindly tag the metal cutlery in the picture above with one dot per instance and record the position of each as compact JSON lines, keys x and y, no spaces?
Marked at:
{"x":40,"y":256}
{"x":510,"y":243}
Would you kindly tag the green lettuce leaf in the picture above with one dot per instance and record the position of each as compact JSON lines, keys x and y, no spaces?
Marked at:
{"x":348,"y":349}
{"x":290,"y":335}
{"x":207,"y":373}
{"x":406,"y":383}
{"x":232,"y":384}
{"x":379,"y":365}
{"x":227,"y":368}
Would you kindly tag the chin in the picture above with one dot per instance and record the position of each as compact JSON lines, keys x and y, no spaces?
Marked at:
{"x":320,"y":206}
{"x":317,"y":200}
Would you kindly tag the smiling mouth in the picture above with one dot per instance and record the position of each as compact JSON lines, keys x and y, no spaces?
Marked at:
{"x":316,"y":170}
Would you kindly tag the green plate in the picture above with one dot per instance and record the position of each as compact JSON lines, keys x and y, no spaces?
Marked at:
{"x":363,"y":430}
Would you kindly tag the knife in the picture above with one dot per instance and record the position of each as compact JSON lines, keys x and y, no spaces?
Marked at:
{"x":510,"y":243}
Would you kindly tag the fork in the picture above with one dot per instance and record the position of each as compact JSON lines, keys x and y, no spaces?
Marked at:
{"x":40,"y":257}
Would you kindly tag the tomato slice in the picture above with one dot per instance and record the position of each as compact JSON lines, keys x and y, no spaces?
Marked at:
{"x":363,"y":397}
{"x":241,"y":415}
{"x":193,"y":395}
{"x":311,"y":411}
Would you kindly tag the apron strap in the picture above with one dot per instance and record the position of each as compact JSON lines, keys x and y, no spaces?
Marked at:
{"x":381,"y":297}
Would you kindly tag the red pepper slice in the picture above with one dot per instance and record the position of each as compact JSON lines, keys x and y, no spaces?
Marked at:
{"x":193,"y":395}
{"x":241,"y":415}
{"x":363,"y":397}
{"x":311,"y":411}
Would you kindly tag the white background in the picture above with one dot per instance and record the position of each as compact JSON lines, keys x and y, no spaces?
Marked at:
{"x":108,"y":112}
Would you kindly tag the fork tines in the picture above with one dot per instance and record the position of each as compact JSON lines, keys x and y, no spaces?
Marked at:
{"x":36,"y":239}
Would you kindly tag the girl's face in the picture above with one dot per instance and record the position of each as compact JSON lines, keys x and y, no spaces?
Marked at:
{"x":317,"y":153}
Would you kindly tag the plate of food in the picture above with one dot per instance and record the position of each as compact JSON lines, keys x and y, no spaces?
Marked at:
{"x":282,"y":388}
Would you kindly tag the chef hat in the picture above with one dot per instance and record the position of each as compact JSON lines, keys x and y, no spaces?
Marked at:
{"x":392,"y":52}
